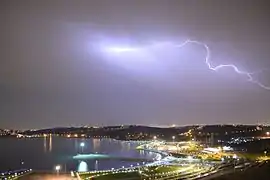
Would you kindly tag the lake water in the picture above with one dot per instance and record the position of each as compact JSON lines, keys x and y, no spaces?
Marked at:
{"x":45,"y":153}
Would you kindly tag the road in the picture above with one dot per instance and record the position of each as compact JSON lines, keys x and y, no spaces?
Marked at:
{"x":43,"y":176}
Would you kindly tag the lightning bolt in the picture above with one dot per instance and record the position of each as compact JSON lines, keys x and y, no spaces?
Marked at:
{"x":249,"y":75}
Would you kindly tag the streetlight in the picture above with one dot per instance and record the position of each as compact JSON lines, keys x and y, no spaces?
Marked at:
{"x":57,"y":168}
{"x":234,"y":161}
{"x":173,"y":138}
{"x":267,"y":133}
{"x":155,"y":137}
{"x":82,"y":144}
{"x":265,"y":152}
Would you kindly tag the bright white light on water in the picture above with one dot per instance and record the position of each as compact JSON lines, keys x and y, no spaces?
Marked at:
{"x":83,"y":167}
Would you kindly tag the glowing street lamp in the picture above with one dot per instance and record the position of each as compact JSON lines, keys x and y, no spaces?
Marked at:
{"x":234,"y":160}
{"x":173,"y":138}
{"x":155,"y":137}
{"x":57,"y":169}
{"x":265,"y":152}
{"x":267,"y":133}
{"x":82,"y":144}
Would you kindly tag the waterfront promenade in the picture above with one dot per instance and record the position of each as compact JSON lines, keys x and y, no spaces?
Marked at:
{"x":47,"y":176}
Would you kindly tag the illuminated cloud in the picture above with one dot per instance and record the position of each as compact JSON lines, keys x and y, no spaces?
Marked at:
{"x":163,"y":46}
{"x":120,"y":49}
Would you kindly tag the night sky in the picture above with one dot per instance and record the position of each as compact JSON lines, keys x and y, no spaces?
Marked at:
{"x":52,"y":72}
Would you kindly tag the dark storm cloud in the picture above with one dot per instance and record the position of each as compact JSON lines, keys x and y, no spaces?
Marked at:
{"x":50,"y":77}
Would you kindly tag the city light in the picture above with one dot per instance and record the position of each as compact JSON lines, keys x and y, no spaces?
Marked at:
{"x":227,"y":148}
{"x":193,"y":155}
{"x":57,"y":169}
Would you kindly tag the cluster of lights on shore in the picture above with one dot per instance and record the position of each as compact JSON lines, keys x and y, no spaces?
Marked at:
{"x":64,"y":135}
{"x":132,"y":168}
{"x":10,"y":175}
{"x":181,"y":170}
{"x":138,"y":167}
{"x":155,"y":138}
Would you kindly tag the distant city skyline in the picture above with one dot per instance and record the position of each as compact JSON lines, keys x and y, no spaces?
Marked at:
{"x":54,"y":72}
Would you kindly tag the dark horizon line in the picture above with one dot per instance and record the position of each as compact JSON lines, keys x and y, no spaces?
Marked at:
{"x":145,"y":125}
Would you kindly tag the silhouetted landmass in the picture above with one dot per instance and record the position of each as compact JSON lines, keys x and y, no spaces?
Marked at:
{"x":218,"y":133}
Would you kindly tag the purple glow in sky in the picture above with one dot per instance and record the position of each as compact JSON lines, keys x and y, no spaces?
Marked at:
{"x":110,"y":62}
{"x":122,"y":49}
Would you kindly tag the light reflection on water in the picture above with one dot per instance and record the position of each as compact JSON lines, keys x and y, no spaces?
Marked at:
{"x":96,"y":164}
{"x":96,"y":144}
{"x":45,"y":153}
{"x":83,"y":167}
{"x":50,"y":143}
{"x":45,"y":144}
{"x":45,"y":139}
